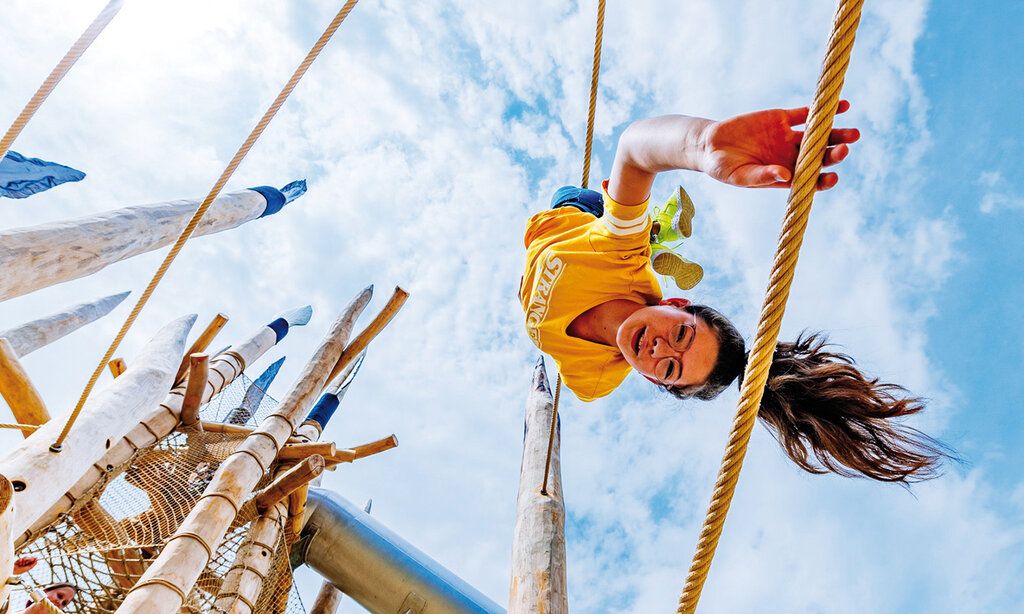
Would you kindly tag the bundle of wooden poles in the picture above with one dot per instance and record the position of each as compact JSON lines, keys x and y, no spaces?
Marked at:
{"x":154,"y":396}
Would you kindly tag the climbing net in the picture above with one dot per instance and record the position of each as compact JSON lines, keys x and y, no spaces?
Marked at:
{"x":105,"y":542}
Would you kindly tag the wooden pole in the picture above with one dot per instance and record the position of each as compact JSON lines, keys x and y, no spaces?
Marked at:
{"x":538,"y":541}
{"x":354,"y":349}
{"x":117,"y":366}
{"x":198,"y":377}
{"x":159,"y":423}
{"x":201,"y":343}
{"x":245,"y":580}
{"x":285,"y":483}
{"x":299,"y":451}
{"x":174,"y":572}
{"x":41,"y":476}
{"x":17,"y":389}
{"x":33,"y":335}
{"x":328,"y":600}
{"x":375,"y":447}
{"x":81,"y":246}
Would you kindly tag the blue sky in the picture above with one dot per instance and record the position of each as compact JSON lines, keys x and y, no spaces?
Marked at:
{"x":429,"y":131}
{"x":972,"y":71}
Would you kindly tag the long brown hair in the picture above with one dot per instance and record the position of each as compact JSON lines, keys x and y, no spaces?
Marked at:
{"x":827,"y":415}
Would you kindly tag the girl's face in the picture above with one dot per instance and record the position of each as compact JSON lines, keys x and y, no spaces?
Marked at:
{"x":668,"y":345}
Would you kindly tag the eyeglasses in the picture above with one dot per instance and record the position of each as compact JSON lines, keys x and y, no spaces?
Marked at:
{"x":670,"y":369}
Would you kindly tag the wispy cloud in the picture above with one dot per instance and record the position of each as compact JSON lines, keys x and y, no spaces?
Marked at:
{"x":997,"y":194}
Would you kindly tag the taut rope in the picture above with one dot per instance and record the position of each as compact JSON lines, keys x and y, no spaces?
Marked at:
{"x":58,"y":72}
{"x":186,"y":233}
{"x":595,"y":72}
{"x":801,"y":196}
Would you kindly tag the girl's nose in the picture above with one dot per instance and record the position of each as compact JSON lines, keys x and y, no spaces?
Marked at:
{"x":661,"y":349}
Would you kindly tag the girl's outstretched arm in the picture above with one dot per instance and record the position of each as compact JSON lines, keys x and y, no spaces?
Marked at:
{"x":754,"y":150}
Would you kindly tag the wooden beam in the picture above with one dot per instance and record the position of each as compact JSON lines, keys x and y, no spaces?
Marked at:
{"x":201,"y":343}
{"x":44,"y":475}
{"x":81,"y":246}
{"x":17,"y":389}
{"x":283,"y":485}
{"x":538,"y":541}
{"x":43,"y":331}
{"x":363,"y":339}
{"x":198,"y":378}
{"x":117,"y":366}
{"x":299,"y":451}
{"x":375,"y":447}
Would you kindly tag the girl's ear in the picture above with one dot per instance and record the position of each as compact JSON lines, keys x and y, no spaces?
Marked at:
{"x":675,"y":302}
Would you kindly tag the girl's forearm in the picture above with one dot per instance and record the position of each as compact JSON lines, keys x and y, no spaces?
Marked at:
{"x":651,"y":146}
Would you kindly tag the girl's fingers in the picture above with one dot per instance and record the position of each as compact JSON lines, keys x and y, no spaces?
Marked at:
{"x":835,"y":155}
{"x":827,"y":181}
{"x":843,"y":135}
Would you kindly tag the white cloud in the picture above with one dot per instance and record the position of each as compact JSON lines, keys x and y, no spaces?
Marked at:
{"x":416,"y":178}
{"x":997,"y":194}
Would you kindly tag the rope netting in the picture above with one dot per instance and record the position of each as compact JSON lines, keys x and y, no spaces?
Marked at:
{"x":107,"y":539}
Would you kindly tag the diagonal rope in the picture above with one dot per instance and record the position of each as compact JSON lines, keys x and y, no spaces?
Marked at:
{"x":587,"y":150}
{"x":592,"y":110}
{"x":24,"y":428}
{"x":801,"y":197}
{"x":201,"y":211}
{"x":62,"y":68}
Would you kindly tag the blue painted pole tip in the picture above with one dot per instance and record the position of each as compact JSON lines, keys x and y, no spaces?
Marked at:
{"x":293,"y":190}
{"x":300,"y":316}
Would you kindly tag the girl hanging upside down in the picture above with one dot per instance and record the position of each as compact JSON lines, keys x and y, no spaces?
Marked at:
{"x":593,"y":302}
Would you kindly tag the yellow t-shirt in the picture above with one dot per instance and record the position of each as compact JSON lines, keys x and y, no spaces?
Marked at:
{"x":575,"y":261}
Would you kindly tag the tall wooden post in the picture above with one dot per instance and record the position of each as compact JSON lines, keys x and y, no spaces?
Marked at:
{"x":538,"y":542}
{"x":328,"y":600}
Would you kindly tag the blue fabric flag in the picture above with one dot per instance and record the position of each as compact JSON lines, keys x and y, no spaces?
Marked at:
{"x":21,"y":177}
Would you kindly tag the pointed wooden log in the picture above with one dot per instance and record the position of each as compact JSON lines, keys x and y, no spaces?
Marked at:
{"x":538,"y":541}
{"x":163,"y":420}
{"x":382,"y":319}
{"x":186,"y":553}
{"x":41,"y":476}
{"x":117,"y":366}
{"x":201,"y":343}
{"x":286,"y":482}
{"x":6,"y":537}
{"x":198,"y":376}
{"x":40,"y":256}
{"x":17,"y":389}
{"x":328,"y":600}
{"x":33,"y":335}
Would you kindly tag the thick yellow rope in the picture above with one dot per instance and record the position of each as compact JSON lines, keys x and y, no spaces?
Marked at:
{"x":201,"y":211}
{"x":592,"y":110}
{"x":25,"y":428}
{"x":587,"y":149}
{"x":808,"y":168}
{"x":58,"y":73}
